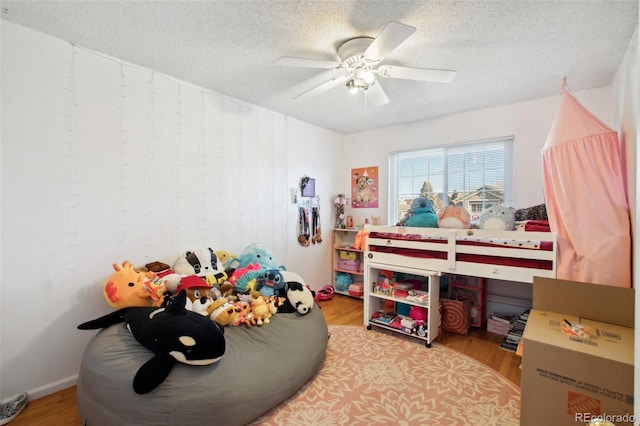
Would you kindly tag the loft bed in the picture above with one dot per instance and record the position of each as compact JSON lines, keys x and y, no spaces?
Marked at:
{"x":505,"y":255}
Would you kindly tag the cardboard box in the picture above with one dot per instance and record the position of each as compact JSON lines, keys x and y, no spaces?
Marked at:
{"x":577,"y":360}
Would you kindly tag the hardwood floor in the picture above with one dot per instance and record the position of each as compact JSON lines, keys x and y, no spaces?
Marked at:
{"x":60,"y":408}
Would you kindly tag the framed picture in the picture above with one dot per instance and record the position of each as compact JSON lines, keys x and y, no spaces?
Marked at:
{"x":308,"y":187}
{"x":364,"y":187}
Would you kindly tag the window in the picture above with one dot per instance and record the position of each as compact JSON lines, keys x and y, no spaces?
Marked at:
{"x":474,"y":175}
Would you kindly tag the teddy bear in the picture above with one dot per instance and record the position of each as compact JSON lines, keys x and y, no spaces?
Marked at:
{"x":497,"y":218}
{"x":223,"y":312}
{"x":420,"y":214}
{"x":274,"y":303}
{"x":244,"y":315}
{"x":261,"y":311}
{"x":454,"y":217}
{"x":127,"y":287}
{"x":199,"y":293}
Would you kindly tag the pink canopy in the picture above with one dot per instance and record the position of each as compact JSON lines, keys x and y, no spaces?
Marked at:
{"x":586,"y":197}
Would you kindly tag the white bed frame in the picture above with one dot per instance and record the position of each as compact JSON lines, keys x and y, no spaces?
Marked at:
{"x":450,"y":265}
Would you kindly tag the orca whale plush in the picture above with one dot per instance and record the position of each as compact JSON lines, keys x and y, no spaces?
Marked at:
{"x":172,"y":333}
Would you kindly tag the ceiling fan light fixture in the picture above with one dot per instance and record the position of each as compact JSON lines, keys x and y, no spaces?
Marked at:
{"x":366,"y":75}
{"x":355,"y":85}
{"x":351,"y":85}
{"x":360,"y":59}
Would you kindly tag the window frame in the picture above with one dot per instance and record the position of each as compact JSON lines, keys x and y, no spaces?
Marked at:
{"x":507,"y":143}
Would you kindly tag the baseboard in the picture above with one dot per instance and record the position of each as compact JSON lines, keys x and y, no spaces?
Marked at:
{"x":48,"y":389}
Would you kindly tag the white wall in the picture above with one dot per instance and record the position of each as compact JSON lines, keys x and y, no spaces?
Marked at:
{"x":316,"y":153}
{"x":104,"y":161}
{"x":627,"y":119}
{"x":529,"y":123}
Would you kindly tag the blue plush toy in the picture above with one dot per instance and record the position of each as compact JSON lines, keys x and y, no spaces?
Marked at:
{"x":256,"y":253}
{"x":270,"y":283}
{"x":421,"y":214}
{"x":342,"y":281}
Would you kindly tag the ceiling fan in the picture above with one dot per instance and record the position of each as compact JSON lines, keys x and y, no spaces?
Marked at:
{"x":360,"y":62}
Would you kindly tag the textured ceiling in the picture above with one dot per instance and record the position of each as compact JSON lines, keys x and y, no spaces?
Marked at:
{"x":503,"y":51}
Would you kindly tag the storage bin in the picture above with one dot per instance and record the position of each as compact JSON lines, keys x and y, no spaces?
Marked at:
{"x":347,"y":255}
{"x":349,"y":265}
{"x":356,"y":289}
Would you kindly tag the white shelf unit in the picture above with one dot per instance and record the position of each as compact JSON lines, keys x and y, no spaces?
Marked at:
{"x":343,"y":240}
{"x":373,"y":302}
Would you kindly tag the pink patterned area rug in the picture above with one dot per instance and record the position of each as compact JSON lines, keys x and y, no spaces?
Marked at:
{"x":374,"y":377}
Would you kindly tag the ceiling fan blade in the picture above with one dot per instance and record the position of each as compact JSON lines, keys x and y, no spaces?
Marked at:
{"x":327,"y":85}
{"x":375,"y":95}
{"x":421,"y":74}
{"x":392,"y":36}
{"x":308,"y":63}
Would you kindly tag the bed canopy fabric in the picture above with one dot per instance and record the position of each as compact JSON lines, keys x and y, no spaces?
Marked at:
{"x":586,"y":197}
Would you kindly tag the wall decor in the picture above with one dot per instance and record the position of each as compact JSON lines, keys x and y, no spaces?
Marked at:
{"x":308,"y":187}
{"x":309,"y":228}
{"x":364,"y":187}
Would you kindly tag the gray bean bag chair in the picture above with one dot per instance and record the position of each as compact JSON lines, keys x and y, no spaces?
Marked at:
{"x":262,"y":366}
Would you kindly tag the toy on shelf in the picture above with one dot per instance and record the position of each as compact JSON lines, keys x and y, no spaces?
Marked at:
{"x":340,"y":202}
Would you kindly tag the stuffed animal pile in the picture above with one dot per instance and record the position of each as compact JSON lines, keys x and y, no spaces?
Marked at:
{"x":422,"y":214}
{"x":179,"y":312}
{"x":231,"y":290}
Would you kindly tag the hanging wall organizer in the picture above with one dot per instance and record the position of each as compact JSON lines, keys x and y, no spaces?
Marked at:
{"x":309,"y":229}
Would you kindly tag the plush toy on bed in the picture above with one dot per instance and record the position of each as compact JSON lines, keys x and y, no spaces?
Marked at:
{"x":256,"y":253}
{"x":200,"y":294}
{"x":225,"y":257}
{"x":497,"y":218}
{"x":299,"y":298}
{"x":456,"y":217}
{"x":244,"y":315}
{"x":420,"y":214}
{"x":201,"y":262}
{"x":128,"y":287}
{"x":261,"y":311}
{"x":270,"y":282}
{"x":172,"y":333}
{"x":223,"y":312}
{"x":244,"y":279}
